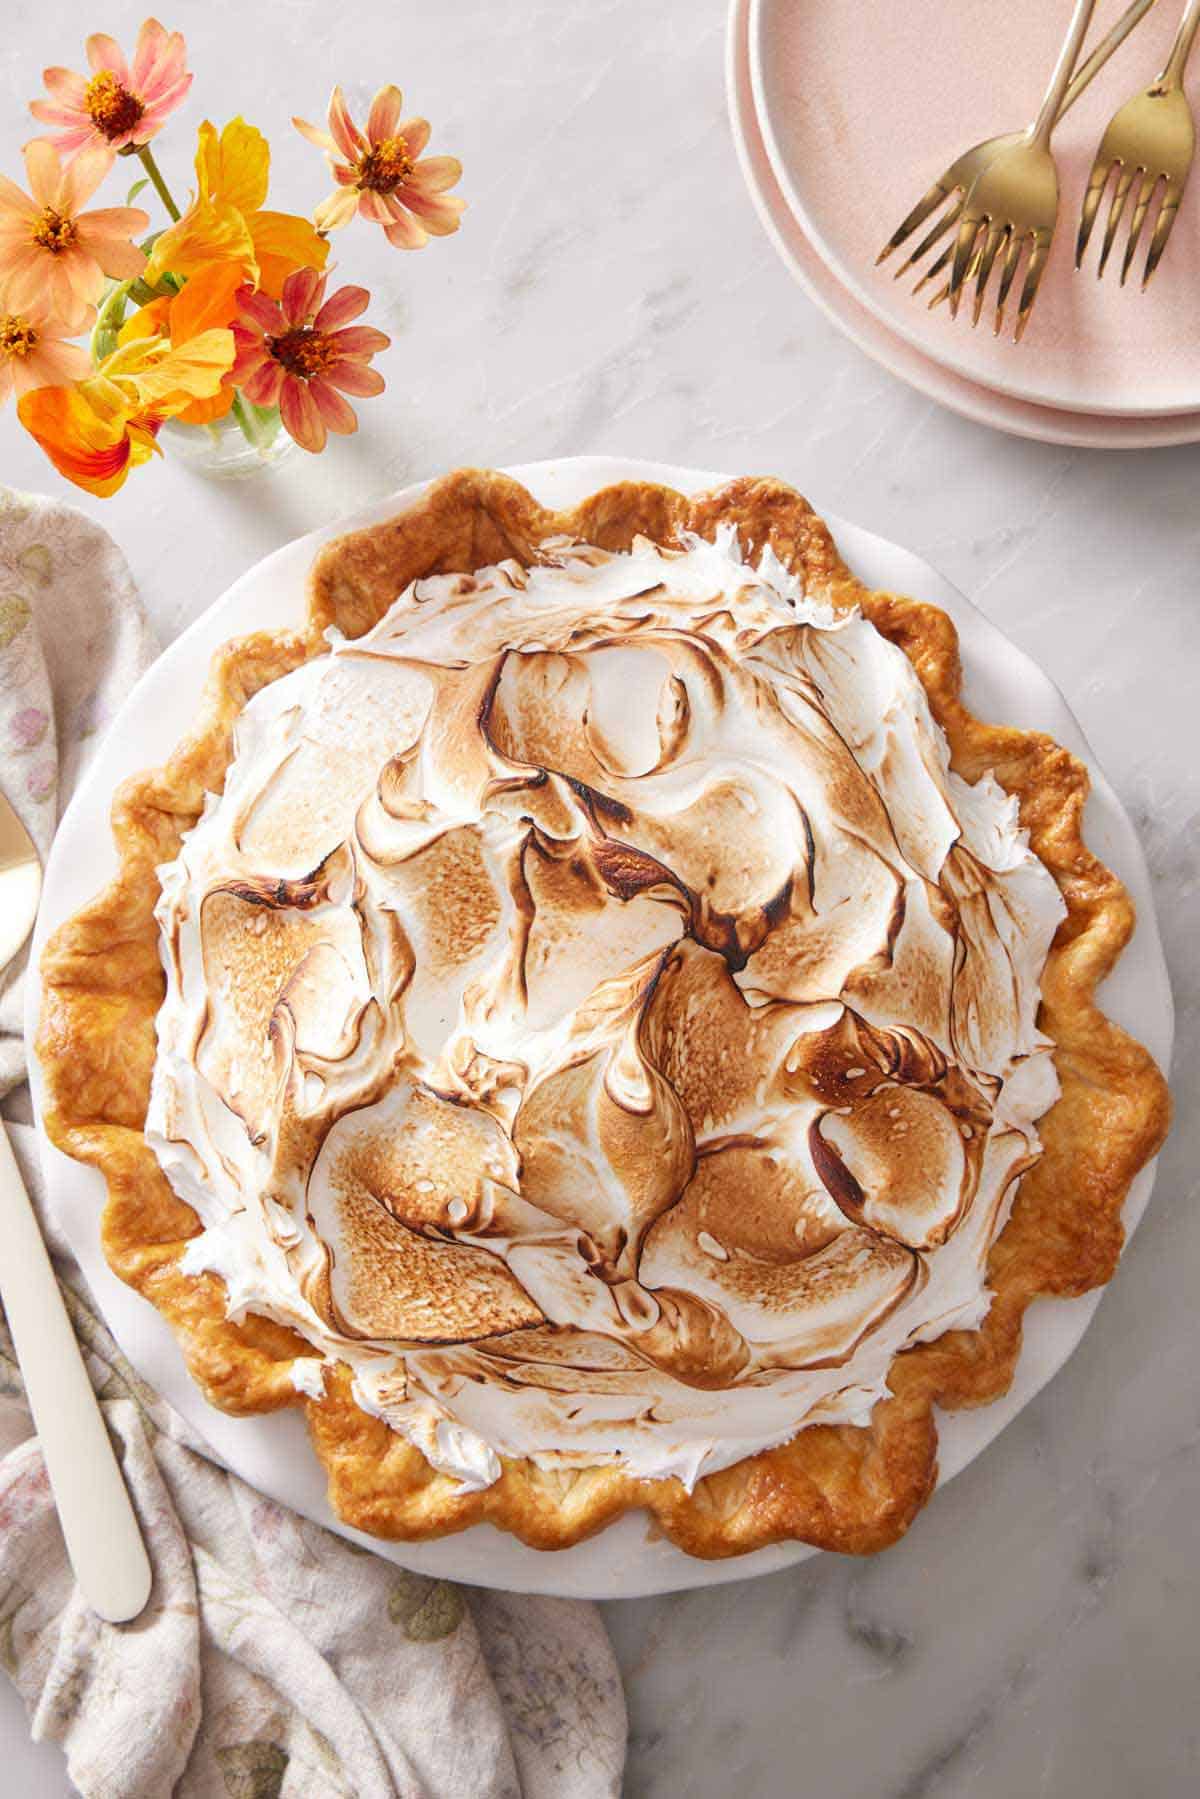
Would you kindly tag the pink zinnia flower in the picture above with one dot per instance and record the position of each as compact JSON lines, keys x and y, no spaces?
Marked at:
{"x":121,"y":104}
{"x":296,"y":353}
{"x":53,"y":253}
{"x":33,"y":353}
{"x":379,"y":175}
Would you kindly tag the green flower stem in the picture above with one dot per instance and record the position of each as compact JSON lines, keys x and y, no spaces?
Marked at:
{"x":108,"y":322}
{"x":146,"y":158}
{"x":249,"y":425}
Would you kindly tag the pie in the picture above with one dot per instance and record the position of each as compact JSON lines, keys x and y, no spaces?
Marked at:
{"x":594,"y":1020}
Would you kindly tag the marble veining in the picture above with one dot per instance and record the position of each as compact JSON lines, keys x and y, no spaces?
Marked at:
{"x":612,"y":291}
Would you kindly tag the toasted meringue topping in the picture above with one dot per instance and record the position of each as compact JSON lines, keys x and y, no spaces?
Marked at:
{"x":598,"y":1014}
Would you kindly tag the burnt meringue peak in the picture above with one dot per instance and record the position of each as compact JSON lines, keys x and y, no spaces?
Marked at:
{"x":597,"y":1013}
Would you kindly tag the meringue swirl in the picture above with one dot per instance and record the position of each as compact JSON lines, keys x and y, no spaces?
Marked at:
{"x":597,"y":1013}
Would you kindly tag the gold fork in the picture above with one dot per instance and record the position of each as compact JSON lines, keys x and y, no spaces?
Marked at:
{"x":1151,"y":139}
{"x":99,"y":1525}
{"x":1017,"y":152}
{"x":20,"y":883}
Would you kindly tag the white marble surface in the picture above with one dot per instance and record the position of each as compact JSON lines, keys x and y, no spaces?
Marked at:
{"x":612,"y":291}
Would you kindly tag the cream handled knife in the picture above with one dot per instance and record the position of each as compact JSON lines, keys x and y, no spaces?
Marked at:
{"x":98,"y":1522}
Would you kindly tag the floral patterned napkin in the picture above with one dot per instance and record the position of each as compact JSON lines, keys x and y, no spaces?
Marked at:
{"x":72,"y":642}
{"x":275,"y":1660}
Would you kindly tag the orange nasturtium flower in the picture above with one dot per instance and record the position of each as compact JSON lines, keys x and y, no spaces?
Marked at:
{"x":97,"y":430}
{"x":53,"y":252}
{"x":120,"y":104}
{"x":226,"y":222}
{"x":209,"y":300}
{"x":381,"y":175}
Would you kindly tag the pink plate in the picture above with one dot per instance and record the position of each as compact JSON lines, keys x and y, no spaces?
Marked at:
{"x":1048,"y":425}
{"x":861,"y":107}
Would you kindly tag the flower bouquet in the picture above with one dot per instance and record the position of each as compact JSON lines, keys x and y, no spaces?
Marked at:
{"x":221,"y":323}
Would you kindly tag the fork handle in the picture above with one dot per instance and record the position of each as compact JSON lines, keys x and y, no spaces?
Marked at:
{"x":1068,"y":56}
{"x":98,"y":1522}
{"x":1087,"y":71}
{"x":1181,"y":49}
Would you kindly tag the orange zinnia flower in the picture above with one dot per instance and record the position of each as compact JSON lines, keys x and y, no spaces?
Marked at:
{"x":379,"y":176}
{"x":297,"y":354}
{"x":51,"y":250}
{"x":120,"y":105}
{"x":33,"y":353}
{"x":227,"y":222}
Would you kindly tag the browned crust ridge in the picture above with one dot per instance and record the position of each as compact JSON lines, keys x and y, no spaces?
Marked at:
{"x":839,"y":1487}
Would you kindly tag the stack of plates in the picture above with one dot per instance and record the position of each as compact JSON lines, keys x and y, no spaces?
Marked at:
{"x":843,"y":115}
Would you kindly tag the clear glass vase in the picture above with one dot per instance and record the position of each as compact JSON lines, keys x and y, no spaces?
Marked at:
{"x":230,"y":448}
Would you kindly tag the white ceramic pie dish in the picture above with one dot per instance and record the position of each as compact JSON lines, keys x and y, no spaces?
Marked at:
{"x":272,"y":1452}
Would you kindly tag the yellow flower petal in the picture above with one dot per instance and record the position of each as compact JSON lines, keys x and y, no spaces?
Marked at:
{"x":282,"y":242}
{"x":210,"y":231}
{"x":104,"y":398}
{"x":152,"y":379}
{"x":191,"y":371}
{"x":234,"y":168}
{"x":149,"y":320}
{"x":112,"y":390}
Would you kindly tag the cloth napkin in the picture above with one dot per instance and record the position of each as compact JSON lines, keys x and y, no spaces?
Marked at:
{"x":275,"y":1660}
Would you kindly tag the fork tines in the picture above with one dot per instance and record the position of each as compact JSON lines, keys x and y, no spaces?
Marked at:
{"x":928,"y":203}
{"x":971,"y":256}
{"x":1143,"y":188}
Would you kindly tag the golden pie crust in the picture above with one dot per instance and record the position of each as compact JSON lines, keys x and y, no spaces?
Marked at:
{"x":839,"y":1487}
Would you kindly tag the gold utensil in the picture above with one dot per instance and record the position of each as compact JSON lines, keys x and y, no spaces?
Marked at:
{"x":1150,"y":140}
{"x":1018,"y":210}
{"x":20,"y":883}
{"x":98,"y":1522}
